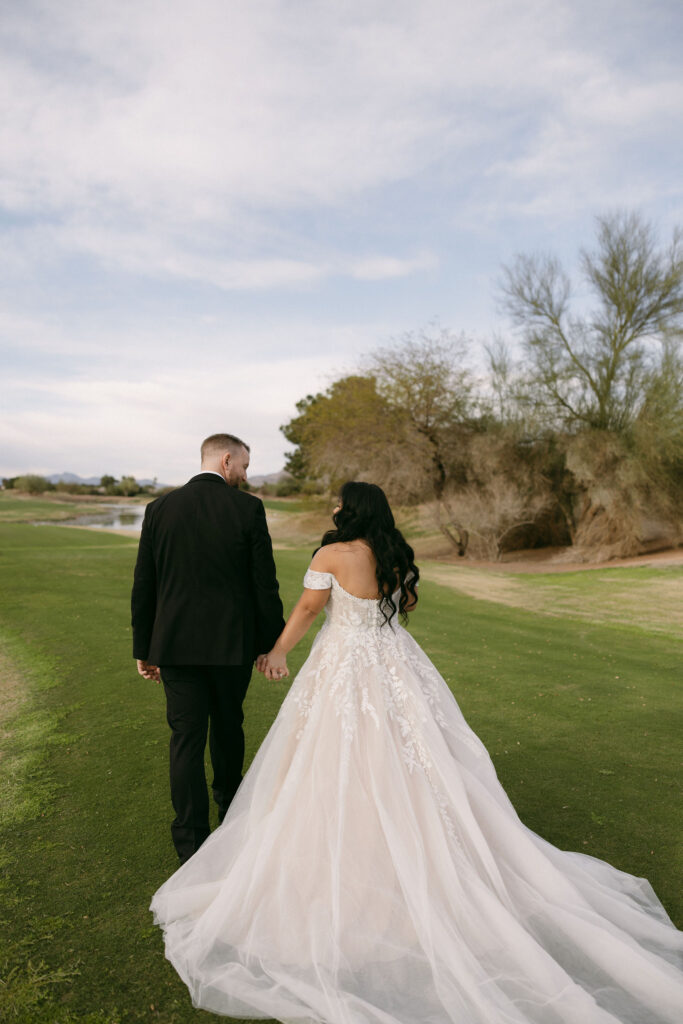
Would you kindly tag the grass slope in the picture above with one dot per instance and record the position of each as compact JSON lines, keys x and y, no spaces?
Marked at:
{"x":580,"y":718}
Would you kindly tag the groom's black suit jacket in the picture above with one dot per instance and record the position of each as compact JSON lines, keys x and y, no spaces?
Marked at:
{"x":205,"y":591}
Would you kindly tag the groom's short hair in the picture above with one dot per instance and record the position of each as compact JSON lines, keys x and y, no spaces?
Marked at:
{"x":216,"y":444}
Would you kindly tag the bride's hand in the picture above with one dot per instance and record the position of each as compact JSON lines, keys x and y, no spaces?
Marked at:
{"x":276,"y":666}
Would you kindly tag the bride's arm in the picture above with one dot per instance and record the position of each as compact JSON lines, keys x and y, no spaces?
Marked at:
{"x":306,"y":610}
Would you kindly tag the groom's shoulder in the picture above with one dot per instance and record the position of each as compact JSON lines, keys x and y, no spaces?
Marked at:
{"x":203,"y":488}
{"x":249,"y":502}
{"x":152,"y":506}
{"x":170,"y":499}
{"x":216,"y":490}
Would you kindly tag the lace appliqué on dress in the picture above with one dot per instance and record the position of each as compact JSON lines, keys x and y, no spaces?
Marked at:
{"x":358,"y":668}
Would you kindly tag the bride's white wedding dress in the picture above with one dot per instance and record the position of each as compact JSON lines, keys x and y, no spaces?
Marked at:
{"x":372,"y":869}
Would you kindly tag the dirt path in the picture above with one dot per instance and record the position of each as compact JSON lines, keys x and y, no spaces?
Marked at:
{"x":295,"y":530}
{"x":481,"y":583}
{"x":539,"y":562}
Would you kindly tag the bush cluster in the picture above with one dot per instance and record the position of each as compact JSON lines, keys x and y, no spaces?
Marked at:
{"x":32,"y":483}
{"x":576,"y":441}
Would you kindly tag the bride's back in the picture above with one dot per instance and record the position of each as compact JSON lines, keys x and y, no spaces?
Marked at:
{"x":353,"y":565}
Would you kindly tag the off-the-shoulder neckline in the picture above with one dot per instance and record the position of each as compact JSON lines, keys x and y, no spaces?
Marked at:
{"x":366,"y":600}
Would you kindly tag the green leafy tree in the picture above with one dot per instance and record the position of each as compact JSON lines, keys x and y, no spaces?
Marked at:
{"x":297,"y":462}
{"x":128,"y":486}
{"x":108,"y":483}
{"x":347,"y":432}
{"x":402,"y":424}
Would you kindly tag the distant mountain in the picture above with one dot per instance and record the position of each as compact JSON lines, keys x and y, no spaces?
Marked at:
{"x":93,"y":481}
{"x":267,"y":478}
{"x":74,"y":478}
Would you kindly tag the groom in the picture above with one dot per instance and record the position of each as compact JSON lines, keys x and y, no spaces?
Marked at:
{"x":205,"y":604}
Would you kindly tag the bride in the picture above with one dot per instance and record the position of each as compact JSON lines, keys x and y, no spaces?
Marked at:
{"x":371,"y":869}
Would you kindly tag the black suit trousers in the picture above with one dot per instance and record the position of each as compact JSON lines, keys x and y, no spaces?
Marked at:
{"x":198,"y":697}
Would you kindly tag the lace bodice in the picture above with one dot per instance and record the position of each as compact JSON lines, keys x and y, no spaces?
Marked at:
{"x":345,"y":610}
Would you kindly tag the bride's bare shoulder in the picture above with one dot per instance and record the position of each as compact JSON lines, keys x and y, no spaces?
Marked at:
{"x":325,"y":559}
{"x":333,"y":556}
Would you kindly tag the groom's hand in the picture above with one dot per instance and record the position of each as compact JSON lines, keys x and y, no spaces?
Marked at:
{"x":149,"y":671}
{"x":261,"y":662}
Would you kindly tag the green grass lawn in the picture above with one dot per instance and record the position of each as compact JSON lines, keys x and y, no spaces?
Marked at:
{"x":582,"y":719}
{"x":294,"y":505}
{"x":641,"y":597}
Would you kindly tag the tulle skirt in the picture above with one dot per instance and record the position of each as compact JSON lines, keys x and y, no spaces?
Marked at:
{"x":372,"y":869}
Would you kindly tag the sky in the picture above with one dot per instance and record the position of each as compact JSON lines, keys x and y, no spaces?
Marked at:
{"x":211,"y":209}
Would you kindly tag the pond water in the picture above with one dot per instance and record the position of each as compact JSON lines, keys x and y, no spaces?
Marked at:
{"x":107,"y":517}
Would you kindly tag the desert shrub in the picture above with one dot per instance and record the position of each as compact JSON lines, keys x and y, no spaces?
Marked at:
{"x":621,"y":507}
{"x":63,"y":487}
{"x":310,"y":487}
{"x":492,"y":511}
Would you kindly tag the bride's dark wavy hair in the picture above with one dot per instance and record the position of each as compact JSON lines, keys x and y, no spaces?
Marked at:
{"x":365,"y":515}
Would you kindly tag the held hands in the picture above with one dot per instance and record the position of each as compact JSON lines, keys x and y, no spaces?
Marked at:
{"x":273,"y":665}
{"x":149,"y":671}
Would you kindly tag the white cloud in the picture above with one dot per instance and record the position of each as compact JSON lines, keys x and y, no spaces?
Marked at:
{"x":156,"y":254}
{"x":192,"y":114}
{"x":154,"y":427}
{"x":591,"y":148}
{"x":140,"y":398}
{"x":83,"y":347}
{"x":291,"y":155}
{"x":168,"y":138}
{"x":378,"y":268}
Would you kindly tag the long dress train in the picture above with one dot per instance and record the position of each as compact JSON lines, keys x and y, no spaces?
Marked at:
{"x":371,"y":869}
